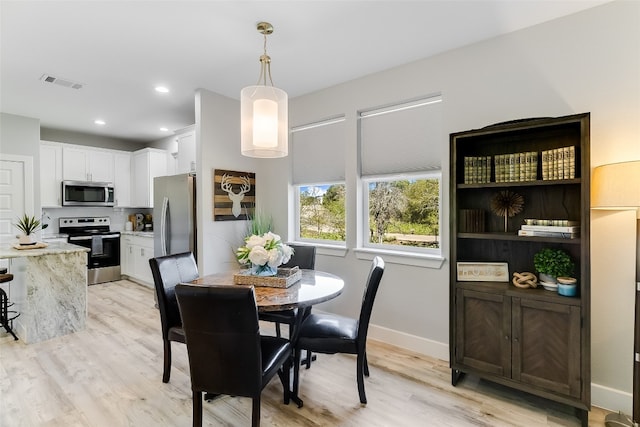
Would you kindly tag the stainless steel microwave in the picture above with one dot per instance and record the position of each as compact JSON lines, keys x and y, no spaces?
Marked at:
{"x":81,"y":193}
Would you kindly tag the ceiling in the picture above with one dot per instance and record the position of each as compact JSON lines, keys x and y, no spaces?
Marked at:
{"x":120,"y":50}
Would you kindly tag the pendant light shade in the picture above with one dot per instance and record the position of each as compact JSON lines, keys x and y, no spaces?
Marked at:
{"x":264,"y":121}
{"x":264,"y":112}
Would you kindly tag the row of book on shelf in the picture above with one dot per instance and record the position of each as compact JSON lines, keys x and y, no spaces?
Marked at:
{"x":563,"y":229}
{"x":558,"y":163}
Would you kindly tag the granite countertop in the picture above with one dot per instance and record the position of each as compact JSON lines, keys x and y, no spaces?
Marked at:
{"x":137,"y":233}
{"x":8,"y":251}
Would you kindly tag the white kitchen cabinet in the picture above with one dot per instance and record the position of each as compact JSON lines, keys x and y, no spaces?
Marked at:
{"x":148,"y":163}
{"x":50,"y":174}
{"x":122,"y":178}
{"x":136,"y":251}
{"x":186,"y":152}
{"x":86,"y":164}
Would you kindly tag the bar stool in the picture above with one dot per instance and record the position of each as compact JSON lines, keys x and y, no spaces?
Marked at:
{"x":6,"y":315}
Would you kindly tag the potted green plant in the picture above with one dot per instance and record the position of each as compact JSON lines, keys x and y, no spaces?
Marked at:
{"x":551,"y":263}
{"x":28,"y":225}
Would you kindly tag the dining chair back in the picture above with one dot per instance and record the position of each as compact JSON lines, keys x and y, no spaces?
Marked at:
{"x":167,"y":272}
{"x":304,"y":257}
{"x":330,"y":333}
{"x":227,"y":354}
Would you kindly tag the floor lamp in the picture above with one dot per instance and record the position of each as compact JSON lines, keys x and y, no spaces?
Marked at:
{"x":617,"y":186}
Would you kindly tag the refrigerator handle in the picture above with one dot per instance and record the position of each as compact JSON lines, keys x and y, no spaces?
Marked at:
{"x":163,"y":226}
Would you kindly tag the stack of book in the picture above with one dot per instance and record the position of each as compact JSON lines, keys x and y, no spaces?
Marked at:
{"x":477,"y":170}
{"x":559,"y":231}
{"x":559,"y":163}
{"x":516,"y":167}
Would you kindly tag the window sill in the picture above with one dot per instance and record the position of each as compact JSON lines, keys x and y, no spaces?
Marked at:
{"x":398,"y":257}
{"x":326,"y":249}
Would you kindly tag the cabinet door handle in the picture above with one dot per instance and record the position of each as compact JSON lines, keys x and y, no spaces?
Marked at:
{"x":506,"y":337}
{"x":515,"y":339}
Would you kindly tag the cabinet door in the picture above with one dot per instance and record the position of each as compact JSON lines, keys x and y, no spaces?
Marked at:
{"x":122,"y":178}
{"x":546,"y":345}
{"x":186,"y":153}
{"x":143,"y":252}
{"x":100,"y":165}
{"x":126,"y":257}
{"x":74,"y":164}
{"x":50,"y":174}
{"x":483,"y":331}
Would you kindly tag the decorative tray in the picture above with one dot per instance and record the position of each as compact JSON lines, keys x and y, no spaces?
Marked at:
{"x":38,"y":245}
{"x":285,"y":278}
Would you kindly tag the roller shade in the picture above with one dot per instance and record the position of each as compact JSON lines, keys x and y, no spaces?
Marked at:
{"x":402,"y":138}
{"x":318,"y":151}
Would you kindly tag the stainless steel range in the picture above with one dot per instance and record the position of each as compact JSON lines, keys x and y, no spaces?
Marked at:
{"x":95,"y":234}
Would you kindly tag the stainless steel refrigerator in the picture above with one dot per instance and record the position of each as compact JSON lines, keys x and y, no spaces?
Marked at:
{"x":174,"y":214}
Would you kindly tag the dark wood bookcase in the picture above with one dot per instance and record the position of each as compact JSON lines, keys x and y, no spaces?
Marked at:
{"x":533,"y":340}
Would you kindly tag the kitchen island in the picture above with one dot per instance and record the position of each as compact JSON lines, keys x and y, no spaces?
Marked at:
{"x":49,"y":290}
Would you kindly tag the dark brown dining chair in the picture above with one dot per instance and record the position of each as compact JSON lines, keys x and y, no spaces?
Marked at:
{"x":331,"y":333}
{"x":304,"y":257}
{"x":167,"y":272}
{"x":227,"y":354}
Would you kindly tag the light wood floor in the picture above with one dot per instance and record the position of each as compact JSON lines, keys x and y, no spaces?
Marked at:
{"x":110,"y":375}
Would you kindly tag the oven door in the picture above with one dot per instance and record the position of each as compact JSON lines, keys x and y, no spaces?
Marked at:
{"x":104,"y":249}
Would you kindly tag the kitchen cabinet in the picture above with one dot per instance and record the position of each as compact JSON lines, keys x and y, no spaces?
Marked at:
{"x":186,"y":161}
{"x":530,"y":339}
{"x":122,"y":178}
{"x":136,"y":252}
{"x":148,"y":163}
{"x":50,"y":174}
{"x":87,"y":164}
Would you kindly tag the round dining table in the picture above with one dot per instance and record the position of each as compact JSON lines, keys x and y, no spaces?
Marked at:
{"x":313,"y":288}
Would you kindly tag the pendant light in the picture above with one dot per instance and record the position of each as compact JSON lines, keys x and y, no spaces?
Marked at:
{"x":264,"y":112}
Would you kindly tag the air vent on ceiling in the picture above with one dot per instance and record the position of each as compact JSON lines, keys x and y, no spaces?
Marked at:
{"x":61,"y":82}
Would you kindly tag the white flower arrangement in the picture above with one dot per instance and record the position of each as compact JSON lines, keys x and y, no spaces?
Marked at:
{"x":265,"y":252}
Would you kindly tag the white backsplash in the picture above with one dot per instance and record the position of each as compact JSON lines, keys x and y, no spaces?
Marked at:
{"x":119,"y":216}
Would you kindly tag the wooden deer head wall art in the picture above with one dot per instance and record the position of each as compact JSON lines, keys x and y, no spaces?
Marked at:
{"x":234,"y":195}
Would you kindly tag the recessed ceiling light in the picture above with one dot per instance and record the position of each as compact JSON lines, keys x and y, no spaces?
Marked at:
{"x":164,"y":129}
{"x":99,"y":122}
{"x":162,"y":89}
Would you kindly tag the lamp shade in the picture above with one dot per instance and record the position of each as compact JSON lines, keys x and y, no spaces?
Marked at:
{"x":616,"y":186}
{"x":264,"y":122}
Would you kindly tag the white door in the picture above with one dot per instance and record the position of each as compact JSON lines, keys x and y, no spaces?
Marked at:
{"x":16,"y":193}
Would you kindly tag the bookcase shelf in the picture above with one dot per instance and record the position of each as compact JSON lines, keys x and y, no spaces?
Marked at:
{"x":530,"y":339}
{"x":516,"y":238}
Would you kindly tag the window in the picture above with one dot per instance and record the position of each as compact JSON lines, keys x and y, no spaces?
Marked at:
{"x":319,"y":181}
{"x":400,"y":160}
{"x":321,"y":210}
{"x":404,"y":213}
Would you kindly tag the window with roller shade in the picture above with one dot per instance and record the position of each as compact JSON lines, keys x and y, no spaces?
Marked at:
{"x":400,"y":160}
{"x":319,"y":181}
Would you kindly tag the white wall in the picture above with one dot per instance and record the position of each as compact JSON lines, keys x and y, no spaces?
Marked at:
{"x":218,"y":147}
{"x":21,"y":136}
{"x":587,"y":62}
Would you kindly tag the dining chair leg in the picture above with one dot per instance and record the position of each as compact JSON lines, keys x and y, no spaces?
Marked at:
{"x":366,"y":365}
{"x":197,"y":409}
{"x":278,"y":329}
{"x":285,"y":379}
{"x":360,"y":366}
{"x":255,"y":412}
{"x":296,"y":378}
{"x":167,"y":361}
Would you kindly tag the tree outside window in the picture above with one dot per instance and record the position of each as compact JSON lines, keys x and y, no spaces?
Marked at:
{"x":405,"y":212}
{"x":322,"y":212}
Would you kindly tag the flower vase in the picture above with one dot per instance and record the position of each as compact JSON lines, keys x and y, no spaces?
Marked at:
{"x":263,"y":270}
